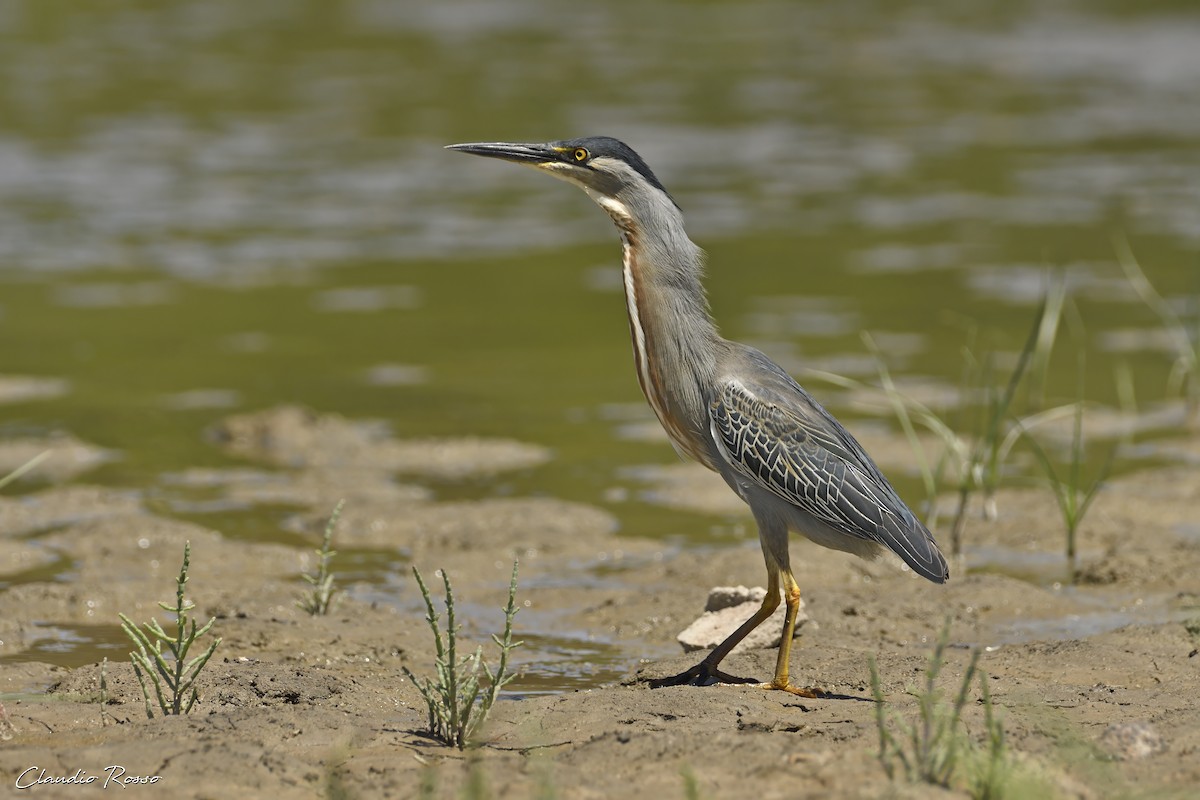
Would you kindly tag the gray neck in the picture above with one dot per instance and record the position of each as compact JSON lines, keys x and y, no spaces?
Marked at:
{"x":675,"y":341}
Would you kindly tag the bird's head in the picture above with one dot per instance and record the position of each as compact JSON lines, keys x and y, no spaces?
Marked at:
{"x":605,"y":168}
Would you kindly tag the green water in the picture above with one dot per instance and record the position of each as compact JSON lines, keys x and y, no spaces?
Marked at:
{"x":186,"y":187}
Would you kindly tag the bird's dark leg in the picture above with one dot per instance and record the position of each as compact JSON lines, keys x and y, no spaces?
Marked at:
{"x":791,"y":597}
{"x":706,"y":672}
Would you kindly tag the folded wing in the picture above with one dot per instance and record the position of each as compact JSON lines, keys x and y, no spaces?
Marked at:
{"x":777,"y":436}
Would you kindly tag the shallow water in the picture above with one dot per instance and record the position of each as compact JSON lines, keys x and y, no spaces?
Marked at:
{"x":211,"y":206}
{"x":1099,"y":613}
{"x":71,"y":645}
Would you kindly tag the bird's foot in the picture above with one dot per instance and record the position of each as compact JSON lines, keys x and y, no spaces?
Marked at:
{"x":703,"y":674}
{"x":786,"y":686}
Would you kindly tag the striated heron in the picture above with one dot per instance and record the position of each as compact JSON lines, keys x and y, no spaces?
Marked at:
{"x":727,"y":405}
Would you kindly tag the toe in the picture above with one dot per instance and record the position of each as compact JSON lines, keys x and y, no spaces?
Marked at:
{"x":700,"y":675}
{"x":725,"y":677}
{"x":812,"y":693}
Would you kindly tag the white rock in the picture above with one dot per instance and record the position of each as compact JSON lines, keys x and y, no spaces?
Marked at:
{"x":729,"y":596}
{"x":726,"y":609}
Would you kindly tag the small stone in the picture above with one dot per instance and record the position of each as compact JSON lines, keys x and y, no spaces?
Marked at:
{"x":729,"y":596}
{"x":1130,"y":741}
{"x":727,"y":608}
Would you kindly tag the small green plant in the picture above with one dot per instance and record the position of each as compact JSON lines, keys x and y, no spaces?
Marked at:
{"x":104,"y":715}
{"x":993,"y":768}
{"x":1051,"y":316}
{"x":981,"y":469}
{"x":457,"y":699}
{"x":691,"y":784}
{"x":1072,"y":491}
{"x":935,"y":748}
{"x":1183,"y":378}
{"x":929,"y":750}
{"x":174,"y":679}
{"x":319,"y":599}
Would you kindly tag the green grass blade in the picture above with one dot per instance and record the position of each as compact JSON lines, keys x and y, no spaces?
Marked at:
{"x":24,"y":468}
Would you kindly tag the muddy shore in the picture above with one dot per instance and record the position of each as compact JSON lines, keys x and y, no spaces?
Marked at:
{"x":300,"y":706}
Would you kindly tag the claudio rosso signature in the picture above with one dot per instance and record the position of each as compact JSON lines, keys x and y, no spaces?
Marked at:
{"x":113,"y":775}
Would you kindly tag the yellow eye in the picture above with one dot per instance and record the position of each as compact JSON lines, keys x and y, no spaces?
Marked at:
{"x":580,"y":154}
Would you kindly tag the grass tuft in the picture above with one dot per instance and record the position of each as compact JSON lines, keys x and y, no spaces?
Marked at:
{"x":458,"y":698}
{"x":174,"y":679}
{"x":319,"y":599}
{"x":990,"y":778}
{"x":1073,"y":492}
{"x":981,"y":469}
{"x":936,"y":749}
{"x":929,"y":750}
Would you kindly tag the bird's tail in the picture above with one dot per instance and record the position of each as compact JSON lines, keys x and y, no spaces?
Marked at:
{"x":908,"y":538}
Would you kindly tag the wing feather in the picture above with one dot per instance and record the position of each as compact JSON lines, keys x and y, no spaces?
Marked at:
{"x":783,"y":440}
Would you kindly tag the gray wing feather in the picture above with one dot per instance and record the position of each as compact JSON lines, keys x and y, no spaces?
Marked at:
{"x":783,"y":440}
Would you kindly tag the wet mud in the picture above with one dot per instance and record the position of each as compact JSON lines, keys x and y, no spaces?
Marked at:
{"x":1097,"y":681}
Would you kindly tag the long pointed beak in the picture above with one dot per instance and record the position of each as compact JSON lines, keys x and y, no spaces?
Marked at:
{"x":522,"y":153}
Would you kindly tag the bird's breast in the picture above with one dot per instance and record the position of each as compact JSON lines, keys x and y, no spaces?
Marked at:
{"x":657,"y":384}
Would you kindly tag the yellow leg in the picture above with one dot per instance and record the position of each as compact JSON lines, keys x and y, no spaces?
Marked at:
{"x":769,"y":604}
{"x":706,"y":671}
{"x":791,"y":596}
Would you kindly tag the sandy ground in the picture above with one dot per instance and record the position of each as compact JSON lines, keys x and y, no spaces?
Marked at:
{"x":300,"y":706}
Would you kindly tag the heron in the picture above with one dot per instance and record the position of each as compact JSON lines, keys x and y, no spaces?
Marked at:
{"x":727,"y":405}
